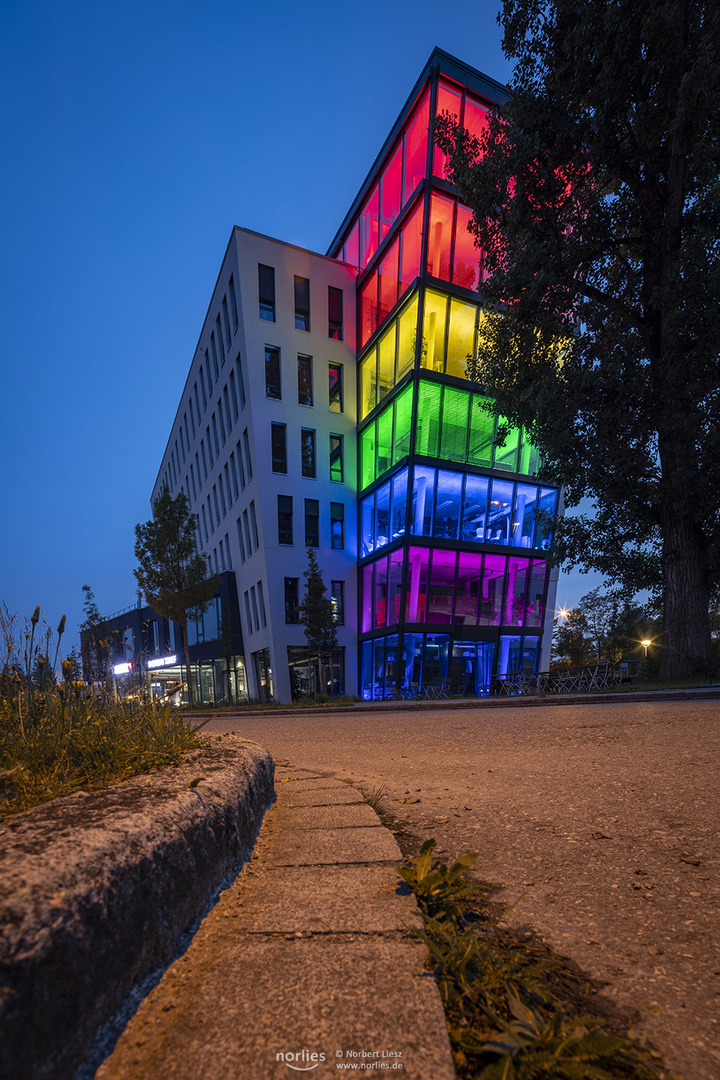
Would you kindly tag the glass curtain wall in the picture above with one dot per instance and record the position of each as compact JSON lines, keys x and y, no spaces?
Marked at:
{"x":454,"y":525}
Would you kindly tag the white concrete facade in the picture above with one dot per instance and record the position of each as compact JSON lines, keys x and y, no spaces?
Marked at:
{"x":213,"y":398}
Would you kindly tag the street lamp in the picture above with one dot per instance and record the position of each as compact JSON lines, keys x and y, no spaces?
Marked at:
{"x":563,"y":613}
{"x":646,"y":642}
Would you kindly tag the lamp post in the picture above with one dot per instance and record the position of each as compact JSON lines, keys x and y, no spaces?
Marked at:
{"x":645,"y":642}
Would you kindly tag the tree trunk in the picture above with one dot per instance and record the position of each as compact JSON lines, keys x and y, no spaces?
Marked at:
{"x":686,"y":624}
{"x":186,"y":649}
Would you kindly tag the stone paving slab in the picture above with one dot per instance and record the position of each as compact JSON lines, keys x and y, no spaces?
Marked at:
{"x":342,"y":816}
{"x":335,"y":796}
{"x":306,"y":963}
{"x":351,"y":996}
{"x":314,"y":847}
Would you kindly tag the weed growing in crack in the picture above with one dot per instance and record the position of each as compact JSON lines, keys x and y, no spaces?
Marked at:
{"x":504,"y":1021}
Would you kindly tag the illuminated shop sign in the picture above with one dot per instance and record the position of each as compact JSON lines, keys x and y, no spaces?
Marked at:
{"x":122,"y":669}
{"x":162,"y":661}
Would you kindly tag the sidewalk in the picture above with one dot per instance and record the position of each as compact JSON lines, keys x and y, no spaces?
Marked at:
{"x":305,"y":964}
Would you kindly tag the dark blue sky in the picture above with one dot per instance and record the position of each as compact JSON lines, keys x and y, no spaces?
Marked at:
{"x":134,"y":136}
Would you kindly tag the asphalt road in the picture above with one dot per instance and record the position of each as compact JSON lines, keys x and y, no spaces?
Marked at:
{"x":603,"y":821}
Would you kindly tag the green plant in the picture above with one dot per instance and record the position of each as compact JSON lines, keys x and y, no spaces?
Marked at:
{"x":375,"y":795}
{"x":503,"y":1018}
{"x":435,"y":886}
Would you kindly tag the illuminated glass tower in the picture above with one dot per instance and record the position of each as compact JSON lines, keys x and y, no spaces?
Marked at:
{"x":454,"y":584}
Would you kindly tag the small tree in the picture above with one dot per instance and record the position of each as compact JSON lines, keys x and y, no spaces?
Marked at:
{"x":316,"y":614}
{"x":171,"y":571}
{"x":94,"y":640}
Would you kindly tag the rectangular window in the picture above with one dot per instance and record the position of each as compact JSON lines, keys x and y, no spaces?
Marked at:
{"x":336,"y":387}
{"x":248,"y":459}
{"x":266,"y":283}
{"x":217,"y":505}
{"x":305,"y":386}
{"x":254,"y":607}
{"x":226,"y":321}
{"x":233,"y":397}
{"x":233,"y":302}
{"x":209,"y":446}
{"x":336,"y":458}
{"x":229,"y":489}
{"x":335,"y":313}
{"x":285,"y":523}
{"x":202,"y":387}
{"x":337,"y":526}
{"x":247,"y":612}
{"x":241,"y":542}
{"x":233,"y":477}
{"x":291,"y":600}
{"x":272,"y":373}
{"x":312,"y":523}
{"x":227,"y":549}
{"x":192,"y":484}
{"x":204,"y":522}
{"x":337,"y":599}
{"x":215,"y":436}
{"x":253,"y":526}
{"x":307,"y":450}
{"x":197,"y":470}
{"x":226,"y":406}
{"x":278,"y":445}
{"x":240,"y":381}
{"x":208,"y":376}
{"x":261,"y":604}
{"x":210,"y":515}
{"x":302,"y":303}
{"x":220,"y":342}
{"x":246,"y":527}
{"x":240,"y":466}
{"x":222,"y":421}
{"x":216,"y":369}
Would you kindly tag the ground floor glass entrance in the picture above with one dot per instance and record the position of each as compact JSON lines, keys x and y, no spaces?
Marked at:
{"x":433,"y":665}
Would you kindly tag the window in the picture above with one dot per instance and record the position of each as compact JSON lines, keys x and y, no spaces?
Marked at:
{"x":335,"y":313}
{"x":337,"y":600}
{"x":272,"y":373}
{"x":337,"y":526}
{"x":215,"y":436}
{"x":336,"y":458}
{"x":248,"y":459}
{"x":312,"y":523}
{"x":231,"y":491}
{"x":278,"y":442}
{"x":241,"y":542}
{"x":202,"y":387}
{"x":261,"y":604}
{"x":222,"y":420}
{"x":285,"y":522}
{"x":210,"y":515}
{"x":266,"y":283}
{"x":307,"y":450}
{"x":240,"y":466}
{"x":253,"y":525}
{"x":217,"y":505}
{"x":336,"y":387}
{"x":221,"y":488}
{"x":233,"y":477}
{"x":302,"y":303}
{"x":220,"y":342}
{"x":227,"y":549}
{"x":233,"y":302}
{"x":208,"y":375}
{"x":233,"y":397}
{"x":209,"y":446}
{"x":246,"y":527}
{"x":216,"y":369}
{"x":291,"y":600}
{"x":305,"y":387}
{"x":241,"y":381}
{"x":226,"y":405}
{"x":226,"y":321}
{"x":253,"y":600}
{"x":204,"y":522}
{"x":247,"y":612}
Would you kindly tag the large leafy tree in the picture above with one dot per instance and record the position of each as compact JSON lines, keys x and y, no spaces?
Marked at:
{"x":596,"y":202}
{"x":316,"y":614}
{"x":171,"y":572}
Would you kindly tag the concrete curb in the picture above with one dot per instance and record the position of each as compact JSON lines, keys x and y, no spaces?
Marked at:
{"x":526,"y":702}
{"x":96,"y":891}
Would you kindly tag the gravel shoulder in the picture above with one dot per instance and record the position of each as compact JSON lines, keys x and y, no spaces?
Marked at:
{"x":601,"y":823}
